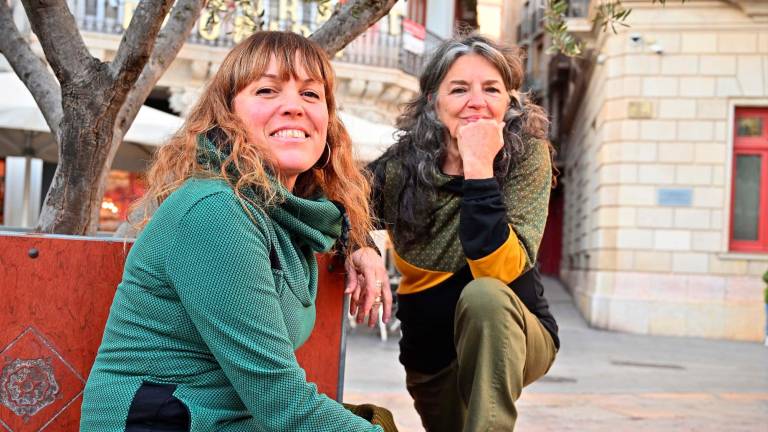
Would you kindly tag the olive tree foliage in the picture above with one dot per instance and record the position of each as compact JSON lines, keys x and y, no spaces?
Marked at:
{"x":609,"y":14}
{"x":89,"y":104}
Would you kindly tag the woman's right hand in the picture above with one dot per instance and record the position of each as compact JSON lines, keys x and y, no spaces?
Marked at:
{"x":368,"y":284}
{"x":479,"y":142}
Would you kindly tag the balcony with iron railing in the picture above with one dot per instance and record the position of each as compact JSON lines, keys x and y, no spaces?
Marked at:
{"x":382,"y":45}
{"x":578,"y":8}
{"x":532,"y":22}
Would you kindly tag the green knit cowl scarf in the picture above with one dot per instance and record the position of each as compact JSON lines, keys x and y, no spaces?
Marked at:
{"x":307,"y":225}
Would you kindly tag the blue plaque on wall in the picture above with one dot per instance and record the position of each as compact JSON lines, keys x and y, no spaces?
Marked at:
{"x":681,"y":197}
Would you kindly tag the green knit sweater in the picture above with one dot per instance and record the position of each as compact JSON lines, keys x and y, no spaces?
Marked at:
{"x":201,"y":307}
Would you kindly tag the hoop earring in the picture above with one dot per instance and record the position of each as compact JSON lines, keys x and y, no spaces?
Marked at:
{"x":327,"y":157}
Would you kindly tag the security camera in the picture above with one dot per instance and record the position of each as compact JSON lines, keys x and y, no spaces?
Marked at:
{"x":636,"y":38}
{"x":601,"y":58}
{"x":658,"y":49}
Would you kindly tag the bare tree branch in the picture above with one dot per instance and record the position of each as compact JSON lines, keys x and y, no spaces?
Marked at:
{"x":60,"y":38}
{"x":170,"y":40}
{"x":350,"y":21}
{"x":139,"y":40}
{"x":31,"y":69}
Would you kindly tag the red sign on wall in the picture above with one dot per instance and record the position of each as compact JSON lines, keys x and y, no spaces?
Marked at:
{"x":413,"y":36}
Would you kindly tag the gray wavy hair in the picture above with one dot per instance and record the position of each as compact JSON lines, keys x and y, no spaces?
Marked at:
{"x":422,"y":142}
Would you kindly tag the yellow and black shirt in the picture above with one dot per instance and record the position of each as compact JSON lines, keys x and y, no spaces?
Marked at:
{"x":473,"y":229}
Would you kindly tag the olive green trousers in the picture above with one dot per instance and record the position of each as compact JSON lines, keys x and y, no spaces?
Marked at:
{"x":501,"y":347}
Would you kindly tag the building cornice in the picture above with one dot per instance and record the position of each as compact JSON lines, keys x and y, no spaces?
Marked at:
{"x":755,"y":9}
{"x":371,"y":92}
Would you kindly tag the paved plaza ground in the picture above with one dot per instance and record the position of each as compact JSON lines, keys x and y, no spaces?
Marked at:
{"x":601,"y":381}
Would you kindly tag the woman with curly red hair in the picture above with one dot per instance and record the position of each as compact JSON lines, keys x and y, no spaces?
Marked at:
{"x":219,"y":288}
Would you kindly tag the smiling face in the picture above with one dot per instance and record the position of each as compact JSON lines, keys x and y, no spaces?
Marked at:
{"x":288,"y":116}
{"x":472,"y":89}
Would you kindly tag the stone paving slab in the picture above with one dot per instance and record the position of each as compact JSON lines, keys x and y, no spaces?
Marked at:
{"x":651,"y":412}
{"x":700,"y":412}
{"x":601,"y":381}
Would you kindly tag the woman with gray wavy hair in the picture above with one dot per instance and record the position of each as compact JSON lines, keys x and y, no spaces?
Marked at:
{"x":463,"y":194}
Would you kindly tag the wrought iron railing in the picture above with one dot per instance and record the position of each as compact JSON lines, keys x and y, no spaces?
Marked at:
{"x":413,"y":63}
{"x":381,"y":45}
{"x":578,"y":8}
{"x":533,"y":14}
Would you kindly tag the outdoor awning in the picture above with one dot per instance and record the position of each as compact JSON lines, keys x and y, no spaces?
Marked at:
{"x":369,"y":139}
{"x":23,"y":130}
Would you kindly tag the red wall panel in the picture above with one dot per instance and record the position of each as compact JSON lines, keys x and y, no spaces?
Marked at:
{"x":55,"y":294}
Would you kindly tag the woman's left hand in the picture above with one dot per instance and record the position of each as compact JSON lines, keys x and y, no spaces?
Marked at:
{"x":368,"y":283}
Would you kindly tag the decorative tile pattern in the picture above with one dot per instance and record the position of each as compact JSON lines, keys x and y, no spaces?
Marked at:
{"x":27,"y":386}
{"x":36,"y":383}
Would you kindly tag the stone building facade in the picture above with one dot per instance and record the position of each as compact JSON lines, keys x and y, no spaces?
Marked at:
{"x":663,"y":136}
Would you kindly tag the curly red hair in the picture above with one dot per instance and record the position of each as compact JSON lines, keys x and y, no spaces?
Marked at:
{"x":340,"y":180}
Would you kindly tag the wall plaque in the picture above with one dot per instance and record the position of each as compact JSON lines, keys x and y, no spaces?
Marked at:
{"x":680,"y":197}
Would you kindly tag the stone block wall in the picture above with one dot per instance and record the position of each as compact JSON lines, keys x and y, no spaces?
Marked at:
{"x":657,"y":116}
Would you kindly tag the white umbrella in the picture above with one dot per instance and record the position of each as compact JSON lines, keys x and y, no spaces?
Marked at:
{"x":368,"y":138}
{"x":23,"y":130}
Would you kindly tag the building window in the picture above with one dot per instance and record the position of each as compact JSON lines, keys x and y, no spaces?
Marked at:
{"x":417,"y":11}
{"x":465,"y":14}
{"x":749,"y":203}
{"x":123,"y":189}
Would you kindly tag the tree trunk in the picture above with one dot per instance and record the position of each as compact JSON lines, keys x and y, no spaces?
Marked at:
{"x":99,"y":105}
{"x":87,"y":135}
{"x":98,"y":101}
{"x":73,"y":201}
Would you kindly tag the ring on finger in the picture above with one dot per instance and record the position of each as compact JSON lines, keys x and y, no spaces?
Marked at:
{"x":377,"y":300}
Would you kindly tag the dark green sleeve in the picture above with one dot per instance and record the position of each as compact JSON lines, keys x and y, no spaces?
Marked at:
{"x":377,"y":172}
{"x":526,"y":196}
{"x":219,"y":265}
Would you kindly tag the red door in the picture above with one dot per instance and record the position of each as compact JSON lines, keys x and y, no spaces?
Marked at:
{"x":551,"y":247}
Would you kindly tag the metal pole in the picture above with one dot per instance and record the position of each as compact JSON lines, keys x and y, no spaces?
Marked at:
{"x":28,"y":152}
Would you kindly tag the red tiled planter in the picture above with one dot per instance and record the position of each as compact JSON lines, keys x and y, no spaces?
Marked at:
{"x":55,"y":294}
